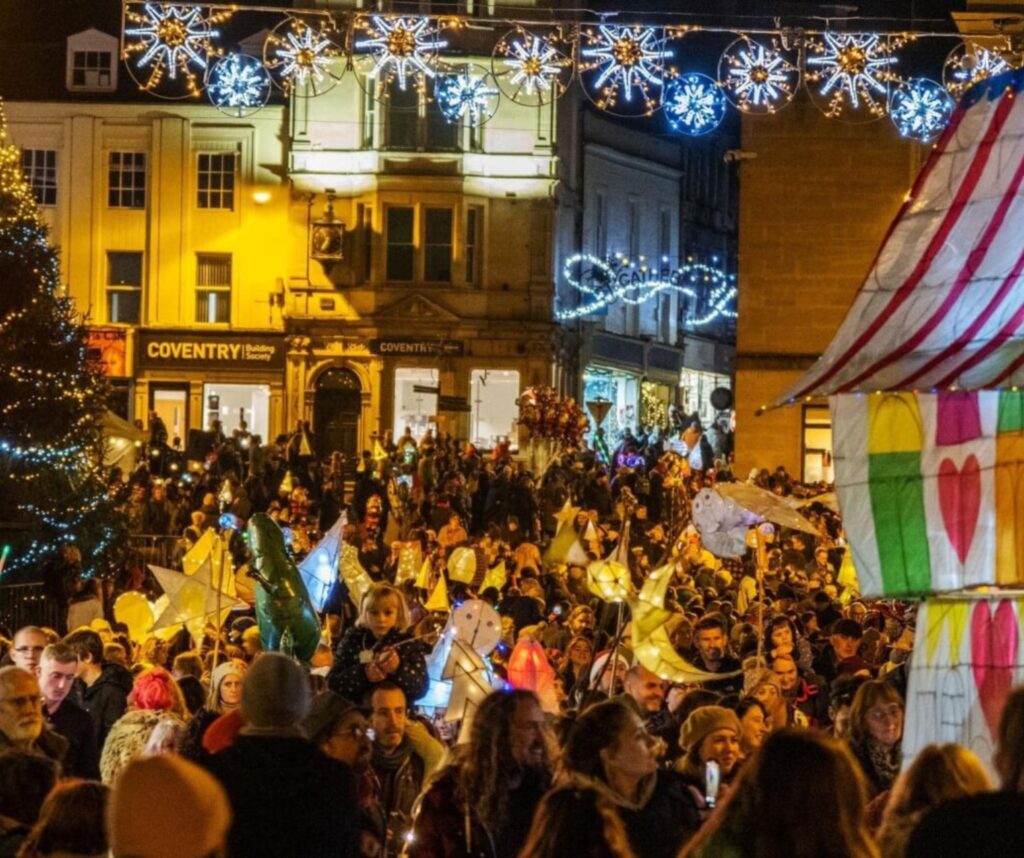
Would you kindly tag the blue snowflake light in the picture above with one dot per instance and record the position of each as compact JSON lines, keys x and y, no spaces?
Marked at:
{"x":400,"y":49}
{"x":238,"y":85}
{"x":757,"y":78}
{"x":169,"y":40}
{"x":694,"y":104}
{"x":627,"y":65}
{"x":301,"y":57}
{"x":533,"y":68}
{"x":854,"y":70}
{"x":967,"y":65}
{"x":470,"y":94}
{"x":920,"y":109}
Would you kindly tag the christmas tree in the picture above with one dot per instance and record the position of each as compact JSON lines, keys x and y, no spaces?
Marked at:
{"x":52,"y":490}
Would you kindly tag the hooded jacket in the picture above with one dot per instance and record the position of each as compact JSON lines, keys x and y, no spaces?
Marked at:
{"x":106,"y":699}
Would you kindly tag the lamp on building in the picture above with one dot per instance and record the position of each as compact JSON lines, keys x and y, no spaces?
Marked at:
{"x":599,"y":409}
{"x":327,"y":237}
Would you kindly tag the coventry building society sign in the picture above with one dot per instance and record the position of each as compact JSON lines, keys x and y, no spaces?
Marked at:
{"x":180,"y":350}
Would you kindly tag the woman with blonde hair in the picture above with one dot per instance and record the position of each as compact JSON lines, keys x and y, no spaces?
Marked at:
{"x":876,"y":733}
{"x":801,"y":796}
{"x":939,"y":773}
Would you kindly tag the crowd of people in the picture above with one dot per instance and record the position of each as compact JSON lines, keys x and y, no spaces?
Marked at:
{"x":177,"y":746}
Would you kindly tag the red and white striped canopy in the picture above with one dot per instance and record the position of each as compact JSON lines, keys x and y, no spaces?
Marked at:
{"x":943,"y":305}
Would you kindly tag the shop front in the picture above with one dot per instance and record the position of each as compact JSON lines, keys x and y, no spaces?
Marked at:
{"x":196,"y":381}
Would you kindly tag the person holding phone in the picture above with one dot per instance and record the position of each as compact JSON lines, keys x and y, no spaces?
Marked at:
{"x":710,"y":739}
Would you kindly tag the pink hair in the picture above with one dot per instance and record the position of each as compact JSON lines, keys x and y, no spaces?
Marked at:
{"x":156,"y":689}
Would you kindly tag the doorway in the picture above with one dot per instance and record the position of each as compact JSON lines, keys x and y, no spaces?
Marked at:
{"x":336,"y":406}
{"x":170,"y":402}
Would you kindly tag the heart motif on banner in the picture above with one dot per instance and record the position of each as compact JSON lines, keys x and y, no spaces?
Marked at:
{"x":993,"y":657}
{"x":960,"y":502}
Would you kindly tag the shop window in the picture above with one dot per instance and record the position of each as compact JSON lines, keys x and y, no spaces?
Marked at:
{"x":401,"y":250}
{"x":415,"y":404}
{"x":437,"y":259}
{"x":493,"y":394}
{"x":238,"y":407}
{"x":215,"y":177}
{"x":695,"y":393}
{"x":39,"y":166}
{"x":124,"y":286}
{"x":474,"y":243}
{"x":622,"y":390}
{"x":126,"y":180}
{"x":213,"y":288}
{"x":171,"y":404}
{"x":817,"y":445}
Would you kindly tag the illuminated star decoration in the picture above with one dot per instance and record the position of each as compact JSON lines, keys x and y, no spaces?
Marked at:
{"x":757,"y":78}
{"x":171,"y":40}
{"x":694,"y":104}
{"x":238,"y":85}
{"x":466,"y":94}
{"x":303,"y":57}
{"x":855,"y":70}
{"x":533,"y":66}
{"x":920,"y":109}
{"x":400,"y":48}
{"x":630,"y":60}
{"x":965,"y":66}
{"x":711,"y":292}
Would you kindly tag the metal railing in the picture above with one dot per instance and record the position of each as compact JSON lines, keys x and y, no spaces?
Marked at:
{"x":28,"y":605}
{"x":165,"y":551}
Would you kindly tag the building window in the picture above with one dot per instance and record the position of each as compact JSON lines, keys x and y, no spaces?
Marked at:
{"x":401,"y":249}
{"x":40,"y":169}
{"x":364,"y":214}
{"x":415,"y":400}
{"x":665,"y":237}
{"x":474,"y":243}
{"x":92,"y":70}
{"x":213,"y":288}
{"x":369,"y":120}
{"x":817,"y":445}
{"x":216,"y":180}
{"x":126,"y":185}
{"x":695,"y":392}
{"x":124,"y":286}
{"x":437,"y":259}
{"x":601,"y":224}
{"x":242,"y":407}
{"x":634,"y":229}
{"x":493,"y":394}
{"x":410,"y":123}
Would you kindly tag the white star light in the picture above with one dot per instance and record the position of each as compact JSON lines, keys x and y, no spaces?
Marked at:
{"x":170,"y":38}
{"x":533,"y":63}
{"x":694,"y":104}
{"x":401,"y":46}
{"x":967,"y":66}
{"x":239,"y":84}
{"x":630,"y":58}
{"x":305,"y":55}
{"x":463,"y":94}
{"x":855,"y":68}
{"x":920,"y":109}
{"x":758,"y":78}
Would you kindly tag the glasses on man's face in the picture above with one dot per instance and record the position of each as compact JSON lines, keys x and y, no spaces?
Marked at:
{"x":358,"y":733}
{"x":24,"y":649}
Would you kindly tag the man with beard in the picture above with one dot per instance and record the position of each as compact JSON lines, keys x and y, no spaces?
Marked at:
{"x":21,"y":717}
{"x":482,"y":803}
{"x":648,"y":691}
{"x":404,"y":754}
{"x":711,"y":642}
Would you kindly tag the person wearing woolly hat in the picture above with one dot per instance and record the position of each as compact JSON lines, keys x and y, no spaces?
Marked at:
{"x":225,"y":696}
{"x":166,"y":807}
{"x":764,"y":685}
{"x":710,"y":735}
{"x":287,"y":797}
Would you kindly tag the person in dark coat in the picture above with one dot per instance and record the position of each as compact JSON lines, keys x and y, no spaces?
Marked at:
{"x":102,"y":687}
{"x":57,"y":671}
{"x":287,"y":798}
{"x":483,"y":802}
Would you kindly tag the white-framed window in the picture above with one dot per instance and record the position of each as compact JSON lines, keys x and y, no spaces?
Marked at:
{"x":415,"y":400}
{"x":474,"y":245}
{"x":437,"y":246}
{"x":124,"y":286}
{"x":817,"y":444}
{"x":91,"y":62}
{"x":404,"y":262}
{"x":213,"y":288}
{"x":215,"y":180}
{"x":126,"y":180}
{"x":492,"y":399}
{"x":39,"y":167}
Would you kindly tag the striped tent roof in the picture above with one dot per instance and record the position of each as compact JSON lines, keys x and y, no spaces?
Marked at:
{"x":943,"y":304}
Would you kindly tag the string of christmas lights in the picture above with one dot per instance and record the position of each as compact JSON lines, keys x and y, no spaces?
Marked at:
{"x":627,"y":69}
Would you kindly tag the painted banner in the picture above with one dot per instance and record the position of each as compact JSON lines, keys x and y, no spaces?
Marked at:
{"x":931,"y":488}
{"x":967,"y":657}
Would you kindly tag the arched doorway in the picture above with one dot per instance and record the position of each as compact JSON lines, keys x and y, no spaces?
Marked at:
{"x":336,"y":406}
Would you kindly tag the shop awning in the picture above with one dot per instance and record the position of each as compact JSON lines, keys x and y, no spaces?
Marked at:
{"x":943,"y":304}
